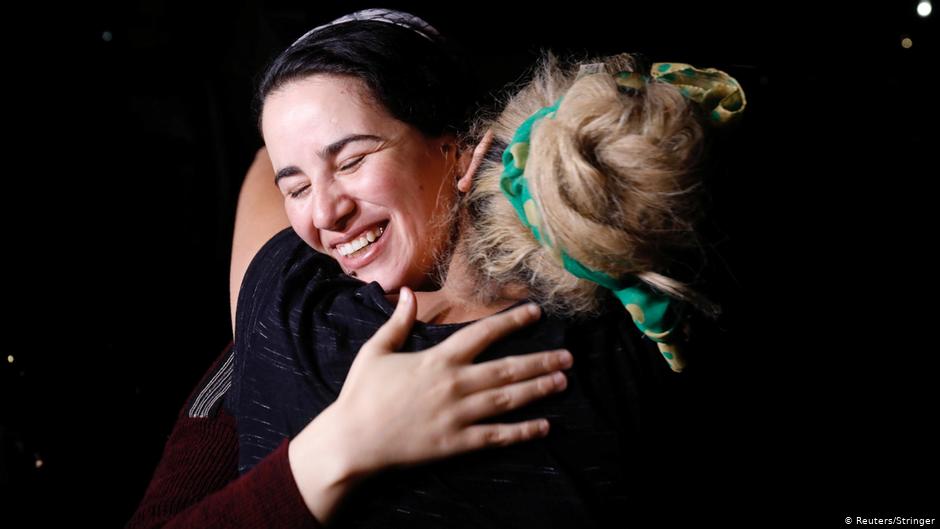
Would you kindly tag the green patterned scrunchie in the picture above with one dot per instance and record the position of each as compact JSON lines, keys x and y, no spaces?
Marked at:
{"x":715,"y":91}
{"x":653,"y":312}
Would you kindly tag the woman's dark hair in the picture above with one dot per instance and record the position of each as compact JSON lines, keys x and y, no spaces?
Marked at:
{"x":422,"y":82}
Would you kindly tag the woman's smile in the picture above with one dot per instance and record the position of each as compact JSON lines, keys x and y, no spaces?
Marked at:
{"x":363,"y":249}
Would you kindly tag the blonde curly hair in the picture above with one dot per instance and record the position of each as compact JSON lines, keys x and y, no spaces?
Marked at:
{"x":616,"y":177}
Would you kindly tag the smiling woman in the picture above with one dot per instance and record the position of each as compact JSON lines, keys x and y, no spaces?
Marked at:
{"x":362,"y":116}
{"x":383,"y":180}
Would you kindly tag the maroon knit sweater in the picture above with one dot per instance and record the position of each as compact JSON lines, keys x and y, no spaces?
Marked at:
{"x":196,"y":483}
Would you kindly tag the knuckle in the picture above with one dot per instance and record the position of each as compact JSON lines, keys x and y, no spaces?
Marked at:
{"x":451,"y":385}
{"x":529,"y":430}
{"x":548,"y":362}
{"x":447,"y":444}
{"x":436,"y":360}
{"x":542,"y":386}
{"x":502,"y":400}
{"x":507,"y":372}
{"x":482,"y":332}
{"x":546,"y":384}
{"x":489,"y":333}
{"x":495,"y":437}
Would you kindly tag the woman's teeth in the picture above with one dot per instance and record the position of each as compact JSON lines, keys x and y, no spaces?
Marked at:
{"x":364,"y":240}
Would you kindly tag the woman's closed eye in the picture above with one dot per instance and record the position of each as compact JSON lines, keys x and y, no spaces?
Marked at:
{"x":300,"y":191}
{"x":297,"y":192}
{"x":354,"y":163}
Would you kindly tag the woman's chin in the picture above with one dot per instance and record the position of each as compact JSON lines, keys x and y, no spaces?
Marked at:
{"x":390,"y":283}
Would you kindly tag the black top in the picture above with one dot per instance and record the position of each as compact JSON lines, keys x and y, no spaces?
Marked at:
{"x":300,"y":323}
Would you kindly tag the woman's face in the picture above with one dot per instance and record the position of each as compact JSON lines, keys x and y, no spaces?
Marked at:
{"x":359,"y":185}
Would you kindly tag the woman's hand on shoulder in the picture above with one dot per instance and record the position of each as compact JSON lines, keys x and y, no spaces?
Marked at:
{"x":399,"y":409}
{"x":407,"y":408}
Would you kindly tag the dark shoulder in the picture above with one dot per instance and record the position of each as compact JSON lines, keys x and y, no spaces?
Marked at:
{"x":286,"y":253}
{"x":285,"y":259}
{"x":284,"y":273}
{"x":610,"y":330}
{"x":611,"y":347}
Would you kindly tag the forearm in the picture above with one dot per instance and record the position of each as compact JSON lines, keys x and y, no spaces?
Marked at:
{"x":197,"y":479}
{"x":259,"y":216}
{"x":196,"y":484}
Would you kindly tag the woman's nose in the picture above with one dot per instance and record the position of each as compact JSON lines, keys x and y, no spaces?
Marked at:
{"x":332,"y":208}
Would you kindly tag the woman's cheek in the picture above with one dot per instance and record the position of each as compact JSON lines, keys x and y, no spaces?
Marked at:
{"x":304,"y":230}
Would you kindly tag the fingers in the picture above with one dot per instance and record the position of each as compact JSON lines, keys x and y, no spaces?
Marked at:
{"x":499,"y":400}
{"x":493,"y":435}
{"x":505,"y":371}
{"x":392,"y":334}
{"x":464,"y":345}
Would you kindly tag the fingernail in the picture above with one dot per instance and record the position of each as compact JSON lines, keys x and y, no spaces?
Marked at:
{"x":559,"y":380}
{"x":543,"y":426}
{"x":565,"y":359}
{"x":534,"y":309}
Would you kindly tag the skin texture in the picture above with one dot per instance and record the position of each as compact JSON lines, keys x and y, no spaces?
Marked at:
{"x":399,"y":182}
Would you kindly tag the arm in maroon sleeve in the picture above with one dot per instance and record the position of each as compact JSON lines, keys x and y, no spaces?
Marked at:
{"x":196,"y":483}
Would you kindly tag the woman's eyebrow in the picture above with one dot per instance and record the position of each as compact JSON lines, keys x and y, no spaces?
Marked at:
{"x":334,"y":148}
{"x":329,"y":151}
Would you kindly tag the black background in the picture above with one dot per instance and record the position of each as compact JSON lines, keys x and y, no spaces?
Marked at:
{"x":127,"y":152}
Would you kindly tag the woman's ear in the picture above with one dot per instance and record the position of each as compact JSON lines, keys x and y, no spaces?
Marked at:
{"x":469,"y":164}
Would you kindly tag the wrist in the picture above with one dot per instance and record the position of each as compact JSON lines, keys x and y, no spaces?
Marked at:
{"x":322,"y":464}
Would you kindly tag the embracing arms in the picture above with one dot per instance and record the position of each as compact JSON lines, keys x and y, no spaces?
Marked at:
{"x":258,"y":217}
{"x":371,"y":426}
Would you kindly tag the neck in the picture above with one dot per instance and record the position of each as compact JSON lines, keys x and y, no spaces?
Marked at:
{"x":458,"y":298}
